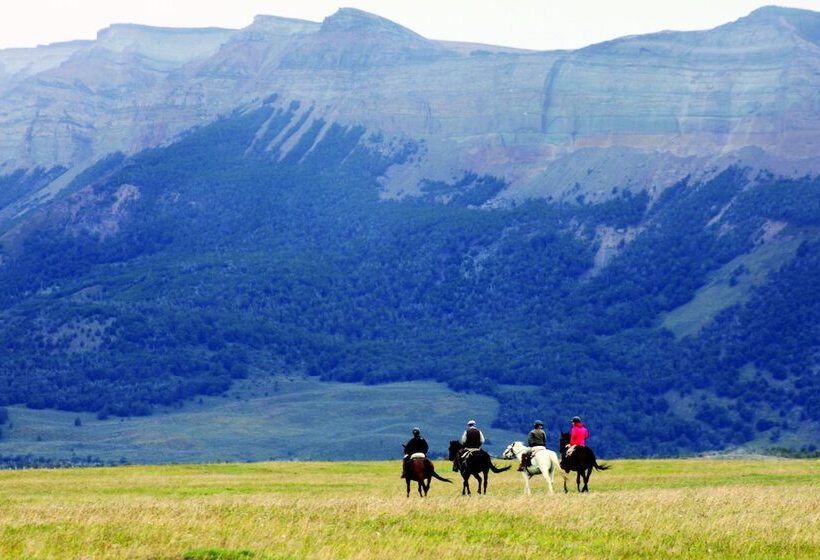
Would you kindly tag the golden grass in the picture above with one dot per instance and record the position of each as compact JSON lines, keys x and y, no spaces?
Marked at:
{"x":640,"y":509}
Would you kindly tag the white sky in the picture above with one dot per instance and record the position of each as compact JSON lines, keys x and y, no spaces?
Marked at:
{"x":535,"y":24}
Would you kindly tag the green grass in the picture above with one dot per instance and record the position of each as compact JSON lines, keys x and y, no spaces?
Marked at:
{"x":719,"y":292}
{"x":263,"y":419}
{"x":696,"y":508}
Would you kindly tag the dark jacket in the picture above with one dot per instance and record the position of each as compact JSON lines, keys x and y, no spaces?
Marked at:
{"x":416,"y":445}
{"x":537,"y":437}
{"x":472,"y":438}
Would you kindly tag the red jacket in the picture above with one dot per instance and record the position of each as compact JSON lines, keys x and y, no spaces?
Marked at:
{"x":578,"y":434}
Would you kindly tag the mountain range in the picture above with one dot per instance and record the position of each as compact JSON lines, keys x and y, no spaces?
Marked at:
{"x":627,"y":231}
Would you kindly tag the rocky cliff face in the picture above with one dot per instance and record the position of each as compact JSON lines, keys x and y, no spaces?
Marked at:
{"x":743,"y":84}
{"x":638,"y":112}
{"x":82,"y":100}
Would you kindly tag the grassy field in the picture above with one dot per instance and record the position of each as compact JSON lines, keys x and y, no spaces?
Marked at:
{"x":697,"y":508}
{"x":262,"y":419}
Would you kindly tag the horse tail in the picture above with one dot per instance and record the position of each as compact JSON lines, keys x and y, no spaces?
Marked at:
{"x":439,"y":477}
{"x":601,"y":467}
{"x":497,"y":470}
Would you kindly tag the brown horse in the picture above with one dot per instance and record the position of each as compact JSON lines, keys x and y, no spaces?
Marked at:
{"x":582,"y":461}
{"x":422,"y":471}
{"x":474,"y":464}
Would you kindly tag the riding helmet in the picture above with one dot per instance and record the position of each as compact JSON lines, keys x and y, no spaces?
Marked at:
{"x":576,"y":419}
{"x":538,"y":424}
{"x":471,"y":423}
{"x":416,"y":431}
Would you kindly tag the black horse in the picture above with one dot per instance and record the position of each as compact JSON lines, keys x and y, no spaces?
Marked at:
{"x":422,"y":471}
{"x":582,"y":461}
{"x":475,"y":464}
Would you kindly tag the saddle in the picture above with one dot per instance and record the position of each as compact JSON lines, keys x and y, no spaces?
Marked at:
{"x":407,"y":459}
{"x":526,"y":457}
{"x":469,"y":453}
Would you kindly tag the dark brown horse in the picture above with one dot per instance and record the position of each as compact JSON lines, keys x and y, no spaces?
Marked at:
{"x":582,"y":461}
{"x":475,"y":464}
{"x":422,"y":471}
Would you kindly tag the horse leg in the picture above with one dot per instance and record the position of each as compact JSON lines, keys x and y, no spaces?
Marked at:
{"x":478,"y":478}
{"x":526,"y":476}
{"x":547,"y":473}
{"x":486,"y":480}
{"x":578,"y":480}
{"x":587,"y":474}
{"x":465,"y":488}
{"x":408,"y":486}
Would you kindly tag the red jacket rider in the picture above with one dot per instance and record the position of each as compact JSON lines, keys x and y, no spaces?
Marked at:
{"x":578,"y":434}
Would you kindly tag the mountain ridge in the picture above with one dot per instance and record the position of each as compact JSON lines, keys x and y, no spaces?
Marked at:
{"x":174,"y":272}
{"x":629,"y":232}
{"x":258,"y":73}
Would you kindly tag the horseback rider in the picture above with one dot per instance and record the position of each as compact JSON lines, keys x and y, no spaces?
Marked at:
{"x":578,"y":435}
{"x":472,"y":438}
{"x":536,"y":438}
{"x":471,"y":441}
{"x":416,"y":444}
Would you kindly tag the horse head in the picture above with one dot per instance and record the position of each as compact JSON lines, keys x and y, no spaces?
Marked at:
{"x":563,"y":441}
{"x":455,"y":447}
{"x":513,"y":450}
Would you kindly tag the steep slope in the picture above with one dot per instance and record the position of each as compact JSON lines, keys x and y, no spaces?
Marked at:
{"x":18,"y":64}
{"x":628,"y":231}
{"x":100,"y":97}
{"x":545,"y":122}
{"x":176,"y":271}
{"x":742,"y":84}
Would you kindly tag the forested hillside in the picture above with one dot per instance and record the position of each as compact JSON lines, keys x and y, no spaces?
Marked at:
{"x":172,"y":273}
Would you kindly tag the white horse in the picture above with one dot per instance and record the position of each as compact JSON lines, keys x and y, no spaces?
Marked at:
{"x":544,"y":461}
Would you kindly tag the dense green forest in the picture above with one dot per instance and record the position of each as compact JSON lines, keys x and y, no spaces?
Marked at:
{"x":174,"y":272}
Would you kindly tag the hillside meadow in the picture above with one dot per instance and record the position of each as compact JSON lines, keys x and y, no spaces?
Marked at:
{"x":688,"y":508}
{"x":260,"y":419}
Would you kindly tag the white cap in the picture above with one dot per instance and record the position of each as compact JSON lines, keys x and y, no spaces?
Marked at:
{"x":471,"y":423}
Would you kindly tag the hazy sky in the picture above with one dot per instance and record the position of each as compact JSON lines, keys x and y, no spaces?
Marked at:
{"x":536,"y":24}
